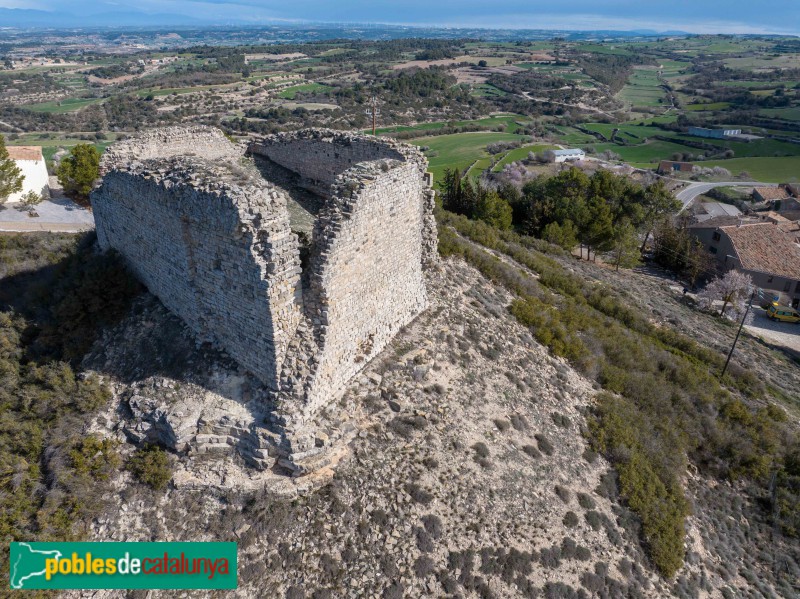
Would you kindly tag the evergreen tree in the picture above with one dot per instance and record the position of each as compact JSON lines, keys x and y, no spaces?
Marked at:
{"x":657,"y":202}
{"x":493,"y":209}
{"x":626,"y":246}
{"x":565,"y":235}
{"x":598,"y":231}
{"x":78,"y":171}
{"x":11,"y":176}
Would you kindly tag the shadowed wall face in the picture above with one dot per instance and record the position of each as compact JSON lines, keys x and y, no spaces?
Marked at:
{"x":229,"y":281}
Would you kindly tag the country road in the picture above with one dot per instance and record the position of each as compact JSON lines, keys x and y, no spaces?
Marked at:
{"x":689,"y":193}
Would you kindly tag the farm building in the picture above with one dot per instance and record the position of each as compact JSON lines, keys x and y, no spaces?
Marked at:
{"x":564,"y":155}
{"x":769,"y":194}
{"x":666,"y":167}
{"x":767,"y":251}
{"x":31,"y":162}
{"x":713,"y":133}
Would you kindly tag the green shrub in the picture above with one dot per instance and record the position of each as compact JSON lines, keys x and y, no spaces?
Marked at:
{"x":668,"y":391}
{"x":150,"y":465}
{"x":94,"y":457}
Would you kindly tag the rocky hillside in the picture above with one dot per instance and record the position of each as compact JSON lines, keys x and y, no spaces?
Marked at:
{"x":469,"y":475}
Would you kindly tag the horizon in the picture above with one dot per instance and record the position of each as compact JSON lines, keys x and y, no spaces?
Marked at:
{"x":722,"y":18}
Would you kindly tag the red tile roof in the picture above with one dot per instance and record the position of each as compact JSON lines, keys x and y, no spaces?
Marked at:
{"x":767,"y":247}
{"x":25,"y":152}
{"x":772,"y":193}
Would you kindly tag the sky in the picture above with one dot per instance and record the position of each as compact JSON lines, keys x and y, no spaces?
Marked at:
{"x":696,"y":16}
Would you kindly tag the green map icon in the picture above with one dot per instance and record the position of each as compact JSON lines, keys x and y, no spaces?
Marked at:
{"x":29,"y":563}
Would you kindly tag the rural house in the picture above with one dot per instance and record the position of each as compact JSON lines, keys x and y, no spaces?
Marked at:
{"x":31,"y":162}
{"x":666,"y":167}
{"x":564,"y":155}
{"x":768,"y":251}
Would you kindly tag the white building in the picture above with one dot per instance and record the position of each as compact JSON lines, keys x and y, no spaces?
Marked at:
{"x":31,"y":162}
{"x":564,"y":155}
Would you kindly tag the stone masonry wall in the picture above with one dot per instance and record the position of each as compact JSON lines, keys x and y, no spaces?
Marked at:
{"x":218,"y":254}
{"x":169,"y":142}
{"x":211,"y":238}
{"x":369,"y":280}
{"x":320,"y":156}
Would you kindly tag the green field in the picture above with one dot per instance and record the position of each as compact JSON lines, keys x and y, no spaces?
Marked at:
{"x":520,"y":154}
{"x":573,"y":137}
{"x":486,"y":90}
{"x":652,"y":151}
{"x":291,"y":92}
{"x":768,"y":170}
{"x":789,"y":114}
{"x":630,"y":133}
{"x":707,"y":106}
{"x":765,"y":148}
{"x":643,"y":88}
{"x":459,"y":150}
{"x":510,"y":123}
{"x":62,"y":106}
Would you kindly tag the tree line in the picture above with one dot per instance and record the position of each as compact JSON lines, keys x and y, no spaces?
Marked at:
{"x":604,"y":212}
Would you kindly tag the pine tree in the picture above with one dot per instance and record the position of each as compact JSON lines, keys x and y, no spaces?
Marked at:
{"x":78,"y":171}
{"x":493,"y":209}
{"x":657,"y":202}
{"x":11,"y":176}
{"x":626,"y":246}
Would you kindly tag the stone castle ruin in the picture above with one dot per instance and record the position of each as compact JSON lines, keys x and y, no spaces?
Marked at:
{"x":301,"y":255}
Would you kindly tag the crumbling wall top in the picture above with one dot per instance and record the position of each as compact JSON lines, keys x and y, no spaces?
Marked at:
{"x":208,"y":143}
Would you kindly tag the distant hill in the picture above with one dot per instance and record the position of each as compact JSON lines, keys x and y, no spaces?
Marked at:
{"x":30,"y":18}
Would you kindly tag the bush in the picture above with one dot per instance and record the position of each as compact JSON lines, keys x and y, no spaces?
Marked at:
{"x":433,"y":525}
{"x":571,"y":519}
{"x":150,"y":465}
{"x":594,"y":519}
{"x":419,"y":494}
{"x":481,"y":450}
{"x":424,"y":566}
{"x":532,"y":451}
{"x":544,"y":444}
{"x":94,"y":458}
{"x":585,"y":501}
{"x":78,"y":171}
{"x":563,"y":493}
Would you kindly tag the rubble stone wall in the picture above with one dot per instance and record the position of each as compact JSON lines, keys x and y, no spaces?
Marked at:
{"x":208,"y":235}
{"x":320,"y":156}
{"x":368,"y":280}
{"x":219,"y":255}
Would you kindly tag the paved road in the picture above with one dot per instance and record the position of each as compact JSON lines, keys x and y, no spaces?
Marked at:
{"x":59,"y":214}
{"x":691,"y":191}
{"x":779,"y":333}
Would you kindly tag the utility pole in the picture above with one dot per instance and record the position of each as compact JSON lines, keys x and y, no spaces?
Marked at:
{"x":739,"y":332}
{"x":373,"y":112}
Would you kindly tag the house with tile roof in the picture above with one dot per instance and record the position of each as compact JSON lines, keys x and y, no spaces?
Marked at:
{"x":667,"y":167}
{"x":768,"y":251}
{"x":770,"y":194}
{"x":31,"y":162}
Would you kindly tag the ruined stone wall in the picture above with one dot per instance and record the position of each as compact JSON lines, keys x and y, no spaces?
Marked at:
{"x":217,"y":253}
{"x":368,"y":281}
{"x":320,"y":156}
{"x":201,"y":142}
{"x":212,"y":239}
